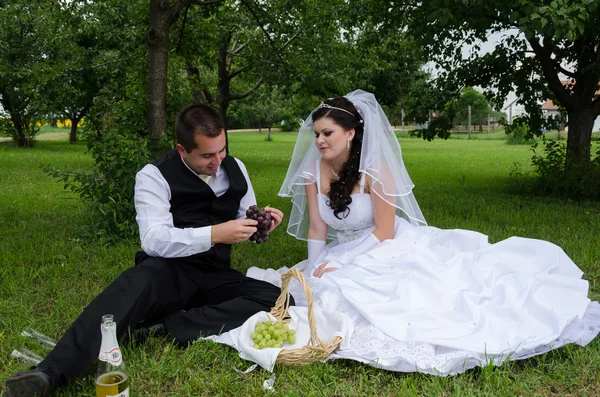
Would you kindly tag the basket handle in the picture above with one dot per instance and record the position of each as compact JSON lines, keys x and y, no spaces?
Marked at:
{"x":280,"y":310}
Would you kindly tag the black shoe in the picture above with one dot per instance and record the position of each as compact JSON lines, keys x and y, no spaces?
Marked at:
{"x":143,"y":330}
{"x":38,"y":382}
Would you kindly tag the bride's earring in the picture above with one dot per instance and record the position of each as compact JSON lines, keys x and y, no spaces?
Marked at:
{"x":348,"y":144}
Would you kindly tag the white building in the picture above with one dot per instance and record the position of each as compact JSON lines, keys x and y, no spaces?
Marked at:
{"x":513,"y":109}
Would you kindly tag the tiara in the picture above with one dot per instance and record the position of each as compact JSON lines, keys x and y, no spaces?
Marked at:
{"x":326,"y":106}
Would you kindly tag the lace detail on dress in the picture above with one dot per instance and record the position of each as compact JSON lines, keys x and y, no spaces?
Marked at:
{"x":344,"y":236}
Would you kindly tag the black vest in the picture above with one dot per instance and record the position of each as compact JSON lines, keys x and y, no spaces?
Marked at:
{"x":194,"y":204}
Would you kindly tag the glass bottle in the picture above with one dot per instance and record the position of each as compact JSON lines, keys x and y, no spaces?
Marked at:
{"x":112,"y":379}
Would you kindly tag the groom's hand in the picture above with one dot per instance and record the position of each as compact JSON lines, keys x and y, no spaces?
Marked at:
{"x":276,"y":217}
{"x":234,"y":231}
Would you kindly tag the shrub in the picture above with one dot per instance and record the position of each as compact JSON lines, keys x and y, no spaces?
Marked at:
{"x":550,"y":176}
{"x":289,"y":122}
{"x":108,"y":187}
{"x":518,"y":132}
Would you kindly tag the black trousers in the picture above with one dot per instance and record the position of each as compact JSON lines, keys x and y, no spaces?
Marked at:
{"x":193,"y":299}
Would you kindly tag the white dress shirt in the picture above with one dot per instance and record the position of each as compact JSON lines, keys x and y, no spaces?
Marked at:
{"x":158,"y":235}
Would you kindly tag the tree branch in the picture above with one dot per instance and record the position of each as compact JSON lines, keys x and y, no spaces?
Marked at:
{"x":596,"y":106}
{"x":194,"y":73}
{"x":563,"y":70}
{"x":236,"y":51}
{"x":207,"y":95}
{"x":554,"y":83}
{"x":291,"y":38}
{"x":182,"y":29}
{"x":236,"y":72}
{"x":245,"y":3}
{"x":179,"y":5}
{"x":205,"y":3}
{"x":234,"y":97}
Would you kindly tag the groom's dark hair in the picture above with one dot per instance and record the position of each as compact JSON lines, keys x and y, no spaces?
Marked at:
{"x":197,"y":119}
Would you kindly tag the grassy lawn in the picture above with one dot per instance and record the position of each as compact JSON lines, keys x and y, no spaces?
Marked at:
{"x":48,"y":273}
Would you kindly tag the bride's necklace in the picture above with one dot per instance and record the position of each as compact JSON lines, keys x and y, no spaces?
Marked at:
{"x":335,"y":174}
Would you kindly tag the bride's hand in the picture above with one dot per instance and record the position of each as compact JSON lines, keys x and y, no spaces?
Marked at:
{"x":322,"y":269}
{"x":276,"y":217}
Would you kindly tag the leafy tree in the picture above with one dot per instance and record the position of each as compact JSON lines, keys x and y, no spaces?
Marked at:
{"x":222,"y":54}
{"x":554,"y":37}
{"x":270,"y":106}
{"x":388,"y":63}
{"x":163,"y":16}
{"x":480,"y":108}
{"x":22,"y":35}
{"x":73,"y":63}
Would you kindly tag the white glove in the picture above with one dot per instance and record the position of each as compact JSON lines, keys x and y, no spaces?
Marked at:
{"x":315,"y":248}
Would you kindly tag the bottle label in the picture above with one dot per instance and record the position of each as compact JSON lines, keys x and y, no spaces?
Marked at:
{"x":124,"y":393}
{"x":113,"y":356}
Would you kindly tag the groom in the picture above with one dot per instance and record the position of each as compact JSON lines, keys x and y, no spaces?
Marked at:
{"x":190,"y":206}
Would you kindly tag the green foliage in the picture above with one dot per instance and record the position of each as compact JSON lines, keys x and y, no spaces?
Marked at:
{"x":550,"y":176}
{"x":88,"y":53}
{"x":480,"y":108}
{"x":540,"y":42}
{"x":108,"y":187}
{"x":116,"y":140}
{"x":289,"y":122}
{"x":24,"y":30}
{"x":518,"y":132}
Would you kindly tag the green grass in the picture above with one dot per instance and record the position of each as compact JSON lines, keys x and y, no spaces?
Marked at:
{"x":48,"y":273}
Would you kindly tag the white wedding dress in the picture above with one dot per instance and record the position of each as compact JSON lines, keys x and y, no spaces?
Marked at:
{"x":443,"y":301}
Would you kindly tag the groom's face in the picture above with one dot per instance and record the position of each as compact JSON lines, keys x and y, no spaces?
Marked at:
{"x":207,"y":156}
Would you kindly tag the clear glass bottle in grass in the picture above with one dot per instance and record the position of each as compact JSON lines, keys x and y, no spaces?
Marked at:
{"x":112,"y":379}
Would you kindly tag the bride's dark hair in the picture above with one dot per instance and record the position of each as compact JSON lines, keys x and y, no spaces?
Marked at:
{"x":341,"y":189}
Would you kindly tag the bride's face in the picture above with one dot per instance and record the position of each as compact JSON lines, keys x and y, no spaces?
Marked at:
{"x":331,"y":139}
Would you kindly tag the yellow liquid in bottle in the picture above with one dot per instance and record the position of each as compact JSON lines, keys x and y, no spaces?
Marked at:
{"x":112,"y":384}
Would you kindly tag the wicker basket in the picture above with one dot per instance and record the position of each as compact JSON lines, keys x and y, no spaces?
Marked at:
{"x":316,"y":349}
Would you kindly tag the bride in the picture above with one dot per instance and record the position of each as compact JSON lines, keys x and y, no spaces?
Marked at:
{"x":420,"y":298}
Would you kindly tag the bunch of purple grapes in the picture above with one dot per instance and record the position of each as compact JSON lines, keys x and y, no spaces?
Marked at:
{"x":264,"y":222}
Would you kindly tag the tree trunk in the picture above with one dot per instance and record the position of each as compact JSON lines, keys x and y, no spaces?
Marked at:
{"x":157,"y":39}
{"x":579,"y":138}
{"x":73,"y":135}
{"x":223,"y":98}
{"x":19,"y":134}
{"x":19,"y":137}
{"x":223,"y":113}
{"x":269,"y":133}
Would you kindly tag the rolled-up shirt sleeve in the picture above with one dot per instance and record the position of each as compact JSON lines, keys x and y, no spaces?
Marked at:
{"x":158,"y":235}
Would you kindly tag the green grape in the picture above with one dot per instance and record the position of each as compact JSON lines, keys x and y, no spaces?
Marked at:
{"x":270,"y":334}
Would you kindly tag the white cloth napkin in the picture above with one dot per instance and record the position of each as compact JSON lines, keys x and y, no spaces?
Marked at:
{"x":329,"y":325}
